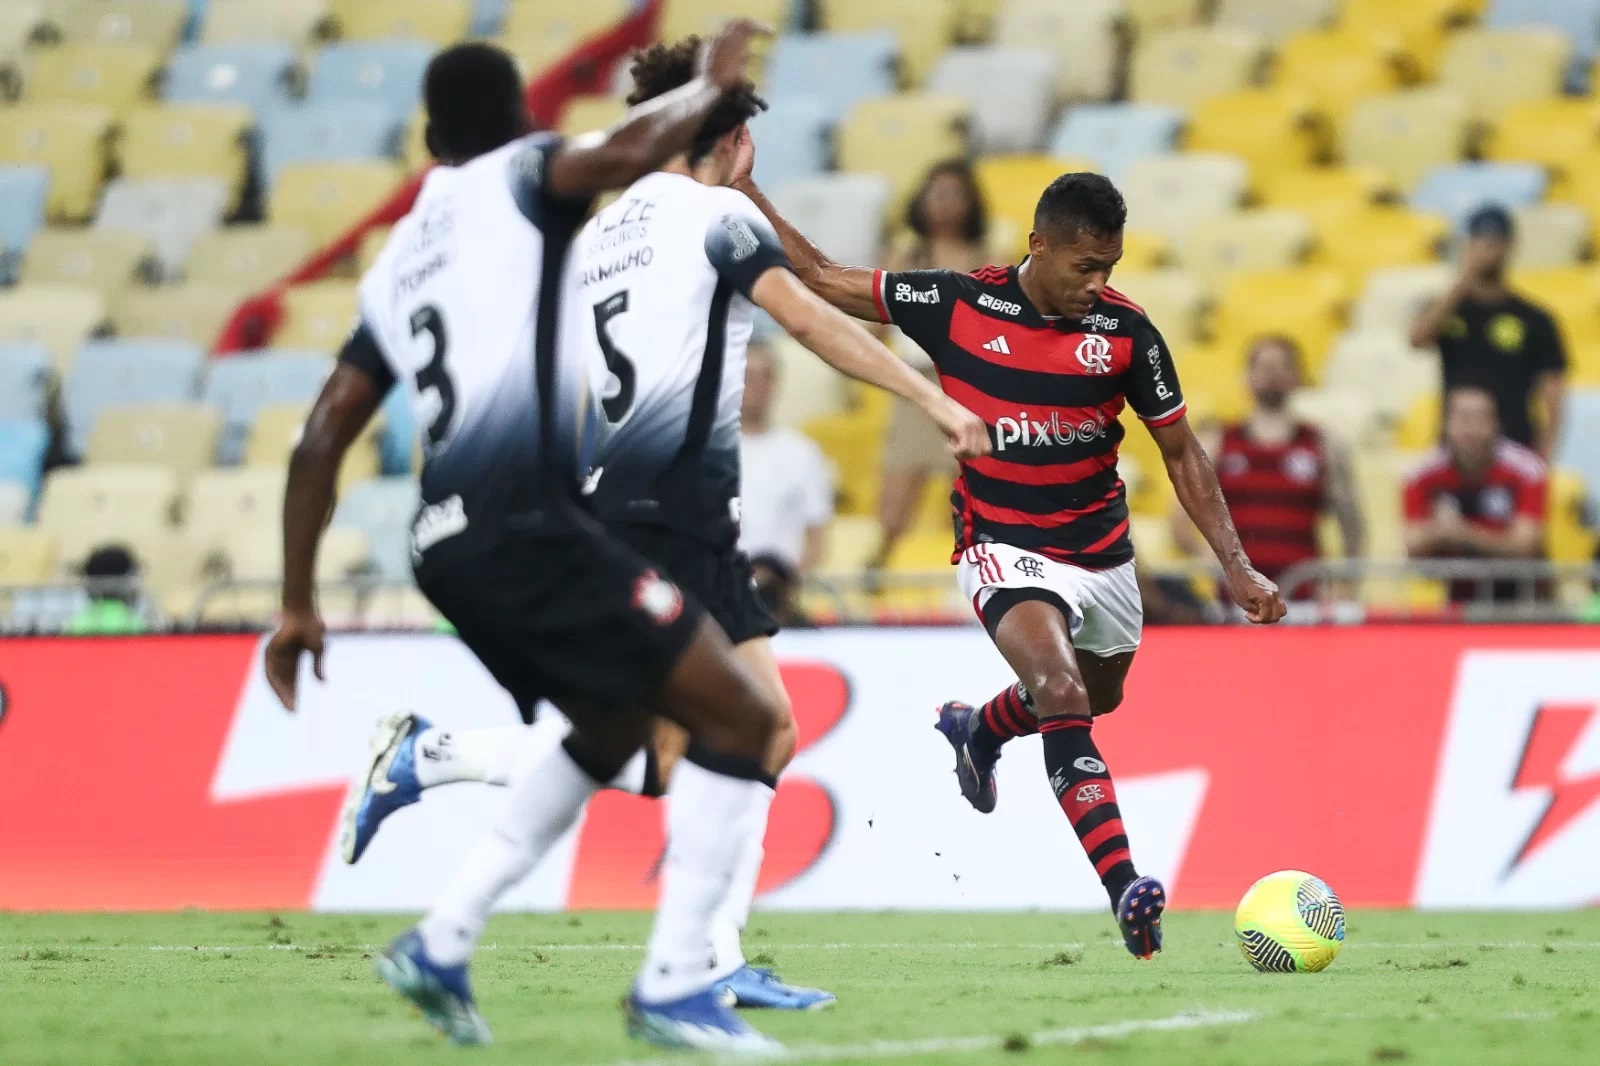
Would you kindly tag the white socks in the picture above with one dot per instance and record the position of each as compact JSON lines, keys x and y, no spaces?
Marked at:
{"x":713,"y":822}
{"x":543,"y":804}
{"x":733,"y":914}
{"x":445,"y":756}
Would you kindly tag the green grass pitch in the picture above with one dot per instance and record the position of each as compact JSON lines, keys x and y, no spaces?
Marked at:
{"x":234,"y":989}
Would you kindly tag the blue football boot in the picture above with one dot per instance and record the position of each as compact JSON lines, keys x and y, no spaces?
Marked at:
{"x":441,"y":993}
{"x":702,"y":1021}
{"x":1139,"y":915}
{"x":974,"y":773}
{"x":390,"y":782}
{"x":758,"y":988}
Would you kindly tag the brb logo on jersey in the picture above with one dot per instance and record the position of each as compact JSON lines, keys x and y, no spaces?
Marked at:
{"x":1031,"y":433}
{"x":905,"y":294}
{"x":1004,"y":307}
{"x":1094,"y":352}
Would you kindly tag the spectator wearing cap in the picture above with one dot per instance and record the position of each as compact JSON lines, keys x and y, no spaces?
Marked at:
{"x":1493,"y":338}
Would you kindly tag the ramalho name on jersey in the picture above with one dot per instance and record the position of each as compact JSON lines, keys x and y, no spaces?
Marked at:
{"x":658,"y":303}
{"x":1051,"y":391}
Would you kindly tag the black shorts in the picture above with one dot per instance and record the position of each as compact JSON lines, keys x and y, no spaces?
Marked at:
{"x":720,"y":578}
{"x":567,"y":615}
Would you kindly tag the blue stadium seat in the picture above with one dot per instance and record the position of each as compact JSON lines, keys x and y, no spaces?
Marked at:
{"x":487,"y":17}
{"x":24,"y":190}
{"x":256,"y":75}
{"x":241,"y":385}
{"x":23,"y":444}
{"x":1115,"y":136}
{"x":325,"y":133}
{"x":791,"y":138}
{"x":114,"y":373}
{"x":837,"y":68}
{"x":24,"y":380}
{"x":399,"y":437}
{"x":383,"y":509}
{"x":1578,"y":19}
{"x":384,"y":72}
{"x":1580,"y":438}
{"x":1458,"y":189}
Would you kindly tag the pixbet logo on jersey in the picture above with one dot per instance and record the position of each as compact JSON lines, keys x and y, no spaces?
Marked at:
{"x":1029,"y":432}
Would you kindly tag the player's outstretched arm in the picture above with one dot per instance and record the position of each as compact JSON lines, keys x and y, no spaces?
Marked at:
{"x":657,"y":130}
{"x":1196,"y":483}
{"x":349,"y":399}
{"x":848,"y":288}
{"x":850,"y":349}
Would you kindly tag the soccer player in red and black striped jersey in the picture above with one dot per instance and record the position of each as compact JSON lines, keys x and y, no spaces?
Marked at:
{"x":1048,"y":355}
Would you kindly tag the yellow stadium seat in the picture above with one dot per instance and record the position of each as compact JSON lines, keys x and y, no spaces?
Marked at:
{"x":592,"y":113}
{"x":1572,"y":295}
{"x":193,"y":141}
{"x":807,"y":387}
{"x":326,"y":199}
{"x":414,"y":152}
{"x":1568,"y":539}
{"x":1085,"y":36}
{"x":371,"y":246}
{"x":153,"y":23}
{"x":104,"y":260}
{"x":114,"y":76}
{"x":680,"y":18}
{"x":438,"y":21}
{"x":902,"y":136}
{"x":1499,"y":69}
{"x":1338,"y":67}
{"x":1170,"y":193}
{"x":181,"y":437}
{"x":1380,"y":474}
{"x":1346,"y":415}
{"x":1213,"y":383}
{"x":1144,"y":249}
{"x":1187,"y":67}
{"x":849,"y":546}
{"x":1271,"y":129}
{"x":1154,"y":16}
{"x":1422,"y":24}
{"x":248,"y":258}
{"x":1306,"y":303}
{"x":1380,"y":237}
{"x":1550,"y":235}
{"x":317,"y":317}
{"x":60,"y":317}
{"x":223,"y":501}
{"x":27,"y":556}
{"x":1011,"y":186}
{"x":193,"y":312}
{"x":1383,"y":366}
{"x":19,"y":21}
{"x":565,"y":22}
{"x":1214,"y":249}
{"x":1174,"y":299}
{"x":256,"y":554}
{"x":1326,"y":193}
{"x":1419,"y":428}
{"x":87,"y":507}
{"x":1277,"y":19}
{"x":1406,"y":133}
{"x":277,"y":429}
{"x":925,"y":27}
{"x":854,"y":444}
{"x":922,"y":552}
{"x":1141,"y":466}
{"x":1392,"y":296}
{"x":1563,"y":135}
{"x":975,"y":20}
{"x":71,"y":140}
{"x":297,"y":21}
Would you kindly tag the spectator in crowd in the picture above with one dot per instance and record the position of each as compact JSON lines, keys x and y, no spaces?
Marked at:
{"x":1280,"y":475}
{"x":948,"y":221}
{"x":1479,"y":496}
{"x":786,"y":489}
{"x":1488,"y":335}
{"x":779,"y":588}
{"x":110,"y":577}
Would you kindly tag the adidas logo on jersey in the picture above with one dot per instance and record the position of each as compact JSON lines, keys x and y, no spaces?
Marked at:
{"x":998,"y":345}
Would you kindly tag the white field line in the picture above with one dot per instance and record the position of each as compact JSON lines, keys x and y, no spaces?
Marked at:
{"x":1558,"y":943}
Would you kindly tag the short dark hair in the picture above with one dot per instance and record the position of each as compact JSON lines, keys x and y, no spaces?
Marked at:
{"x":1277,"y":340}
{"x":475,"y":101}
{"x":976,"y":227}
{"x":662,"y":68}
{"x":1082,"y":201}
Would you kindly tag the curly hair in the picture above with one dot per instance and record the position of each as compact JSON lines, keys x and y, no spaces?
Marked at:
{"x":1075,"y":202}
{"x":662,"y":68}
{"x":976,"y":225}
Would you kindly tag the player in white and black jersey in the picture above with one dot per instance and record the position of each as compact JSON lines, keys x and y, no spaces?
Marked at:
{"x":660,"y":298}
{"x":462,"y":309}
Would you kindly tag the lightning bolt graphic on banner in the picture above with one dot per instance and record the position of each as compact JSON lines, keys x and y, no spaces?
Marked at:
{"x":1555,"y":732}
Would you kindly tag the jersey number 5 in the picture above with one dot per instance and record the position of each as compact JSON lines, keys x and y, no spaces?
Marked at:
{"x":434,"y":375}
{"x":618,"y":397}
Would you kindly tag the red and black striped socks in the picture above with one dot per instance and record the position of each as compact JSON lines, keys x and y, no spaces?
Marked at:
{"x":1082,"y":785}
{"x":1006,"y":717}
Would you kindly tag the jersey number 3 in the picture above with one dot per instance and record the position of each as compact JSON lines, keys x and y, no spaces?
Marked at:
{"x":434,"y":375}
{"x":618,"y":397}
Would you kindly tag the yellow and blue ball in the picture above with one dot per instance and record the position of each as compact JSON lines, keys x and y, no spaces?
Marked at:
{"x":1289,"y":922}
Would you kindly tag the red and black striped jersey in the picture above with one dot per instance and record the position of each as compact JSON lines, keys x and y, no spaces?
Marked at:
{"x":1276,"y":492}
{"x":1050,"y":390}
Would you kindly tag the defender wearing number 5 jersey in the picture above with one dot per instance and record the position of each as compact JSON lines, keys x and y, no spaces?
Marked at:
{"x":1049,"y":354}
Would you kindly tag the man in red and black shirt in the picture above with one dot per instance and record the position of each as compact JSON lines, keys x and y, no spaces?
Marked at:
{"x":1478,"y":496}
{"x":1048,"y":355}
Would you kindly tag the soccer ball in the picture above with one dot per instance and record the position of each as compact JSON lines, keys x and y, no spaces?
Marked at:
{"x":1289,"y":922}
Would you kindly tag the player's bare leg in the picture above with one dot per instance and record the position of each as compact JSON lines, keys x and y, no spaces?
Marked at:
{"x":1103,"y":678}
{"x":1035,"y":638}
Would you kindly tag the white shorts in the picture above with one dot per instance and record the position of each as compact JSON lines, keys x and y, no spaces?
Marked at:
{"x":1106,"y":610}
